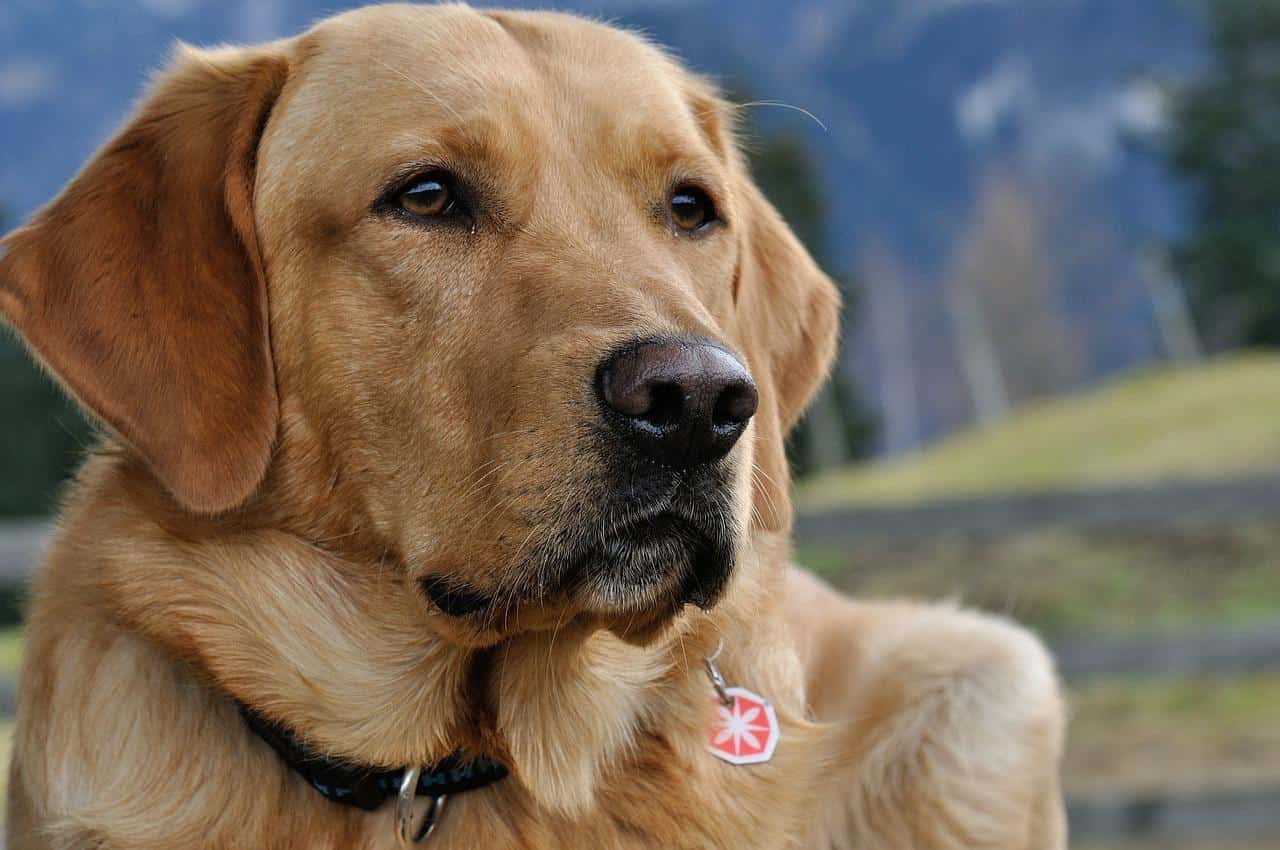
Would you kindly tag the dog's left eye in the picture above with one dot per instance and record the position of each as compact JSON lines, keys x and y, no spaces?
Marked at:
{"x":691,"y":209}
{"x":428,"y":196}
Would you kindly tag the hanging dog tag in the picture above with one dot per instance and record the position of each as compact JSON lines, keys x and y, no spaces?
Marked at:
{"x":745,"y":732}
{"x":745,"y":727}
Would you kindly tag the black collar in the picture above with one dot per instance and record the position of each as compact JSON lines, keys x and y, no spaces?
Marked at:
{"x":364,"y":787}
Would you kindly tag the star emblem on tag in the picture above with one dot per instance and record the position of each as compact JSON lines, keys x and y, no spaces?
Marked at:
{"x":745,"y":731}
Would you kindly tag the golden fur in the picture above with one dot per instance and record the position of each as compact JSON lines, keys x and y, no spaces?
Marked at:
{"x":313,"y":406}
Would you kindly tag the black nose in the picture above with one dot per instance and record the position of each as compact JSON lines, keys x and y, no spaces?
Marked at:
{"x":682,"y":403}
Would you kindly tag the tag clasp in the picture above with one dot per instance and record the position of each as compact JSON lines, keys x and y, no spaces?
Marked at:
{"x":717,"y":678}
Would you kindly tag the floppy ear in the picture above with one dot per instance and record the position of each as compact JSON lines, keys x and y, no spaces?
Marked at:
{"x":788,"y":315}
{"x":141,"y":289}
{"x":788,"y":311}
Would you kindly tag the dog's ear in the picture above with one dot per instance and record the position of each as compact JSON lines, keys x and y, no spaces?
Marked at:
{"x":788,"y":315}
{"x":140,"y":286}
{"x":788,"y":311}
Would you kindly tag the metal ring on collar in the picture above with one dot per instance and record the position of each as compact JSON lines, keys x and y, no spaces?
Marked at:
{"x":406,"y":834}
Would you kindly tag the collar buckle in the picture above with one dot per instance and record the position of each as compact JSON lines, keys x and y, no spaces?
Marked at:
{"x":407,"y":834}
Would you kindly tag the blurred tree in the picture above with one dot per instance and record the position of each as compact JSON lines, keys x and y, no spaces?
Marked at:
{"x":1225,"y":140}
{"x":888,"y":322}
{"x":839,"y":427}
{"x":42,"y":433}
{"x":784,"y":170}
{"x":1015,"y":344}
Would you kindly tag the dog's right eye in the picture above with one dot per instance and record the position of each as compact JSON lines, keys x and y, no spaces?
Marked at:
{"x":428,"y":196}
{"x":692,"y":210}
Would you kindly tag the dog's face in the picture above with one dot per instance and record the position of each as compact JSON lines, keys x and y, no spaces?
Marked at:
{"x":456,"y":269}
{"x":500,"y":280}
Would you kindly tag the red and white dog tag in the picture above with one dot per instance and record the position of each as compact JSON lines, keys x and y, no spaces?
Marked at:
{"x":745,"y":731}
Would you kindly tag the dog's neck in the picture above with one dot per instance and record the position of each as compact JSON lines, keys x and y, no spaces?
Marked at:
{"x":351,"y":658}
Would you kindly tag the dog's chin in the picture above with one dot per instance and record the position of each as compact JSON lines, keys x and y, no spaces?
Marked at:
{"x":638,"y":581}
{"x":632,"y":581}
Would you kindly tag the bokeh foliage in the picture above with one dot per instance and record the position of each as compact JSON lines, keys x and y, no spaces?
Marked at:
{"x":1226,"y":141}
{"x":42,"y":433}
{"x":784,"y":169}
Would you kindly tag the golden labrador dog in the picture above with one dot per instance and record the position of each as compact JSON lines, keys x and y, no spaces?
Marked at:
{"x":447,"y":358}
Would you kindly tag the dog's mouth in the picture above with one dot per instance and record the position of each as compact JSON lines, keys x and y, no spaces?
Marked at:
{"x":631,"y":576}
{"x":627,"y":552}
{"x":666,"y":557}
{"x":453,"y":597}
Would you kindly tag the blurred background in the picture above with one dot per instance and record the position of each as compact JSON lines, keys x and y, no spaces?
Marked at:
{"x":1057,"y":226}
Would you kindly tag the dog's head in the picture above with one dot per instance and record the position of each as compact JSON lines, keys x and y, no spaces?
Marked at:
{"x":491,"y":294}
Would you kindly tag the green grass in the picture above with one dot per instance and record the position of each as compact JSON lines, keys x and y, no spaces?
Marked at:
{"x":1260,"y":843}
{"x":6,"y":751}
{"x":10,"y":651}
{"x":1062,"y":581}
{"x":1180,"y":734}
{"x":1221,"y":418}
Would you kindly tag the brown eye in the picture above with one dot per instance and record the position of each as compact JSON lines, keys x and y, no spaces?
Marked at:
{"x":429,"y":196}
{"x":691,"y":209}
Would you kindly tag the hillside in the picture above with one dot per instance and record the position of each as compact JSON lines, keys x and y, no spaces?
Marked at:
{"x":1219,"y":419}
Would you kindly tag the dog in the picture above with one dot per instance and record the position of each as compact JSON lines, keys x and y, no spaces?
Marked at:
{"x":445,"y":359}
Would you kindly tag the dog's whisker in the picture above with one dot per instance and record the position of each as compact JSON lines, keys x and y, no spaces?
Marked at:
{"x":510,"y":433}
{"x":783,"y":105}
{"x":335,"y":537}
{"x":420,"y":87}
{"x":551,"y":645}
{"x":757,"y":469}
{"x":475,"y":486}
{"x":759,"y":476}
